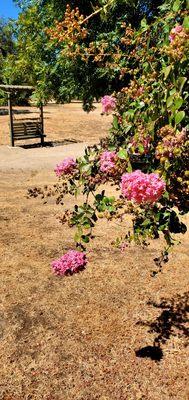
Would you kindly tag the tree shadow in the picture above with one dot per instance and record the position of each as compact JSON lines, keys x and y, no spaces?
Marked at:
{"x":4,"y":111}
{"x":171,"y":322}
{"x":153,"y":352}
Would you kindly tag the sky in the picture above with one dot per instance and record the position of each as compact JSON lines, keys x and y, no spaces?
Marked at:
{"x":8,"y":9}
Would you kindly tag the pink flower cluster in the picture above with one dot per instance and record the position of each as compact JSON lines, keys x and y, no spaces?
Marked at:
{"x":142,"y":188}
{"x":66,"y":167}
{"x":108,"y":104}
{"x":107,"y":161}
{"x":70,"y":262}
{"x":177,"y":31}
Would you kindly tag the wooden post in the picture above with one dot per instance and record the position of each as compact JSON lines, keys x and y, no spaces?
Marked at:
{"x":42,"y":124}
{"x":10,"y":119}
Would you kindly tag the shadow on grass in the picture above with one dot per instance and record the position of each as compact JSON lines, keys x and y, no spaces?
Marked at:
{"x":153,"y":352}
{"x":171,"y":322}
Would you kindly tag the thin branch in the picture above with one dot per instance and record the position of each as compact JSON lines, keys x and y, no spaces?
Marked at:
{"x":97,"y":12}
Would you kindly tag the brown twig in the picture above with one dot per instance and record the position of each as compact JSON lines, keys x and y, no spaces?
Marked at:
{"x":97,"y":12}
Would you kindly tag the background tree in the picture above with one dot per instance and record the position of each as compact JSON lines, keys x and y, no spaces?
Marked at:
{"x":39,"y":62}
{"x":7,"y":47}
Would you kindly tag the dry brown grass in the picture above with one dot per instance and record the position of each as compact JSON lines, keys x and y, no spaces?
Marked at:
{"x":75,"y":338}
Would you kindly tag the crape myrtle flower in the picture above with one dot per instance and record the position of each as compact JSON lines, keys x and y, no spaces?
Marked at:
{"x":65,"y":167}
{"x":71,"y":262}
{"x":141,"y":187}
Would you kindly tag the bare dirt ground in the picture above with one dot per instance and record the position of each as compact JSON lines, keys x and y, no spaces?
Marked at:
{"x":89,"y":336}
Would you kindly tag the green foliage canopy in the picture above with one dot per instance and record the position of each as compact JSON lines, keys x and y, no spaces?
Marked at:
{"x":39,"y":62}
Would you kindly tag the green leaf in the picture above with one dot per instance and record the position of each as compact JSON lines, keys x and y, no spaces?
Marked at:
{"x":94,"y":217}
{"x":166,"y":195}
{"x":85,"y":238}
{"x":99,"y":197}
{"x":111,"y":199}
{"x":141,"y":148}
{"x":133,"y":104}
{"x":167,"y":71}
{"x":86,"y":225}
{"x":179,"y":117}
{"x":128,"y":128}
{"x":170,"y":101}
{"x":181,"y":82}
{"x":162,"y":227}
{"x":112,"y":147}
{"x":186,"y":22}
{"x":147,"y":222}
{"x":131,"y":112}
{"x":76,"y":192}
{"x":178,"y":103}
{"x":167,"y":165}
{"x":111,"y":209}
{"x":176,"y":5}
{"x":129,"y":167}
{"x":85,"y":168}
{"x":151,"y":125}
{"x":123,"y":154}
{"x":77,"y":237}
{"x":144,"y":24}
{"x":141,"y":104}
{"x":115,"y":122}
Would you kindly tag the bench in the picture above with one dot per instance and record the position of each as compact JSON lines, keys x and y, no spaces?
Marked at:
{"x":27,"y":130}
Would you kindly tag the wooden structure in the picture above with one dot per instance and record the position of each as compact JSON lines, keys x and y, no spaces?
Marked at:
{"x":20,"y":129}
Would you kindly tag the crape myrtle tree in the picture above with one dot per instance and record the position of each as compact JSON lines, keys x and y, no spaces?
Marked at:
{"x":145,"y":155}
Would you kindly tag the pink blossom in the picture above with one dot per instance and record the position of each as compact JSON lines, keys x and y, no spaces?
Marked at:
{"x":178,"y":28}
{"x":66,"y":167}
{"x":175,"y":32}
{"x":107,"y":161}
{"x":108,"y":104}
{"x":140,"y":91}
{"x":71,"y":262}
{"x":123,"y":247}
{"x":142,"y":188}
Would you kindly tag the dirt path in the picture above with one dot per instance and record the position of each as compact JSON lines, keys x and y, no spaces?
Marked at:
{"x":38,"y":158}
{"x":89,"y":336}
